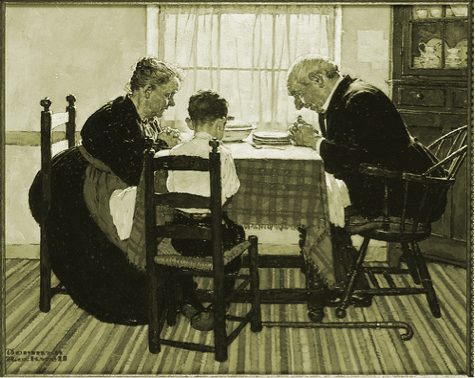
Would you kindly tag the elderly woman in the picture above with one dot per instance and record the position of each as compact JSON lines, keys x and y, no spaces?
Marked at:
{"x":86,"y":245}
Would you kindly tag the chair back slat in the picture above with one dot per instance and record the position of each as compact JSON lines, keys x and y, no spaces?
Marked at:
{"x":451,"y":163}
{"x":59,"y":119}
{"x":452,"y":134}
{"x":179,"y":231}
{"x":181,"y":163}
{"x":444,"y":147}
{"x":182,"y":200}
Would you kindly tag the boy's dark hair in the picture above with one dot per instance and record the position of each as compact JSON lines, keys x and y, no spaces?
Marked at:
{"x":207,"y":106}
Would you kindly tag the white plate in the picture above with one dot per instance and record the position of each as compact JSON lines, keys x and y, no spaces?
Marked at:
{"x":271,"y":135}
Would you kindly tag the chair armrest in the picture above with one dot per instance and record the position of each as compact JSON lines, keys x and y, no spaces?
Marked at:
{"x":427,"y":180}
{"x":378,"y":171}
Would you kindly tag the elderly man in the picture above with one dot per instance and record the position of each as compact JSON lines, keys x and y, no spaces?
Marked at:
{"x":358,"y":124}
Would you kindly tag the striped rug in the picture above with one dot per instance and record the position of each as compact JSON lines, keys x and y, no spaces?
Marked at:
{"x":86,"y":346}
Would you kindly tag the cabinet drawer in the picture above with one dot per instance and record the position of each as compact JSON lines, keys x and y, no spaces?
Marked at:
{"x":459,"y":99}
{"x":413,"y":96}
{"x":438,"y":120}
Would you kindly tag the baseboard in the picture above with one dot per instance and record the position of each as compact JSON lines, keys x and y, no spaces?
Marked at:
{"x":445,"y":250}
{"x":22,"y":251}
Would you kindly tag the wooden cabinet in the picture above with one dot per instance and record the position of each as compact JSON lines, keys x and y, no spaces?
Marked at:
{"x":429,"y":85}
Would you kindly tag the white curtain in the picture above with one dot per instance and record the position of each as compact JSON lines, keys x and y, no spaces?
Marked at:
{"x":243,"y":52}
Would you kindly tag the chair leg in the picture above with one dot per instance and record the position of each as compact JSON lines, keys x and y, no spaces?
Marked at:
{"x":256,"y":320}
{"x":173,"y":297}
{"x":219,"y":305}
{"x":426,"y":281}
{"x":157,"y":278}
{"x":45,"y":277}
{"x":350,"y":286}
{"x":411,"y":264}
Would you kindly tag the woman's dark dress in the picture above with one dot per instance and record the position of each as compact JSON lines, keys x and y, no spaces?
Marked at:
{"x":96,"y":273}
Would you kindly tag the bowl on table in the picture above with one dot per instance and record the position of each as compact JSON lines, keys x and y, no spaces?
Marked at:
{"x":237,"y":131}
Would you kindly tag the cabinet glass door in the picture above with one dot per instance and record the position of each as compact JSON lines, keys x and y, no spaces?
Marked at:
{"x":438,"y":37}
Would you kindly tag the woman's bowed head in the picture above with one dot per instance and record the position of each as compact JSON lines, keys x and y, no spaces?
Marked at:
{"x":153,"y":86}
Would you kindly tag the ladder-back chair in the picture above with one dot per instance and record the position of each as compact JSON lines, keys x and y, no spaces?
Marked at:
{"x":411,"y":226}
{"x":50,"y":122}
{"x":162,"y":266}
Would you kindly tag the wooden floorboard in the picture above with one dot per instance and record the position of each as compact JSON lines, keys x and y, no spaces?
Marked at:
{"x":88,"y":346}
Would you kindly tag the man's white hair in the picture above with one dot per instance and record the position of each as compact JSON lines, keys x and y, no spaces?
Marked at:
{"x":311,"y":63}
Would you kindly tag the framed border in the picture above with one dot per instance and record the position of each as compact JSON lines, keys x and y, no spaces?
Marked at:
{"x":470,"y":165}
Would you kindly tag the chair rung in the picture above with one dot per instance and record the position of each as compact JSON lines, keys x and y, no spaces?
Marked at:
{"x":58,"y":290}
{"x":267,"y":296}
{"x":59,"y":119}
{"x":372,"y":278}
{"x":183,"y":232}
{"x":201,"y":263}
{"x":392,"y":291}
{"x":389,"y":280}
{"x":244,"y":284}
{"x":235,"y":333}
{"x":382,"y":270}
{"x":278,"y":261}
{"x":234,"y":318}
{"x":188,"y":346}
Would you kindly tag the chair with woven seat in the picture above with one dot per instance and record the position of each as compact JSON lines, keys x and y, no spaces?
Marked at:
{"x":161,"y":267}
{"x":49,"y":136}
{"x":411,"y":225}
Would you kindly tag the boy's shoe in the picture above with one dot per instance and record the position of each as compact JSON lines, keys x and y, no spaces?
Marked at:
{"x":203,"y":321}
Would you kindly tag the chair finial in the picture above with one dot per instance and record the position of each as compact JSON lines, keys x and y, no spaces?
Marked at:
{"x":214,"y":144}
{"x":45,"y":103}
{"x":71,"y":99}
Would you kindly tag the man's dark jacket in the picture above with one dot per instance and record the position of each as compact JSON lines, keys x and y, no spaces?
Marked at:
{"x":363,"y":126}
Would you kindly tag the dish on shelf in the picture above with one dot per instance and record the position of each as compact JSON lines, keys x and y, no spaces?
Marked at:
{"x":459,"y":10}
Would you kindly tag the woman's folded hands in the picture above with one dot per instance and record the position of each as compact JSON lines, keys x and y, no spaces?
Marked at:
{"x":170,"y":136}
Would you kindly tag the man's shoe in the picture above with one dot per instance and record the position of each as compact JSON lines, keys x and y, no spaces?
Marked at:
{"x":362,"y":300}
{"x":333,"y":299}
{"x":316,"y":313}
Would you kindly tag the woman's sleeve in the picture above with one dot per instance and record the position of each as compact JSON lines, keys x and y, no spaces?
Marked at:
{"x":117,"y":143}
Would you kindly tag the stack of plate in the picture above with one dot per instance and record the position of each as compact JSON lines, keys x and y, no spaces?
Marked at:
{"x":272,"y":138}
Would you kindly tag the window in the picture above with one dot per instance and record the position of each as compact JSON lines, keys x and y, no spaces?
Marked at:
{"x":243,"y":52}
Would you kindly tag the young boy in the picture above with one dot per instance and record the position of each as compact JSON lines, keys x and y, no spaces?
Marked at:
{"x":208,"y":113}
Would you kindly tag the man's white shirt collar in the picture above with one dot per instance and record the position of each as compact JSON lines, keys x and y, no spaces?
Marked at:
{"x":327,"y":102}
